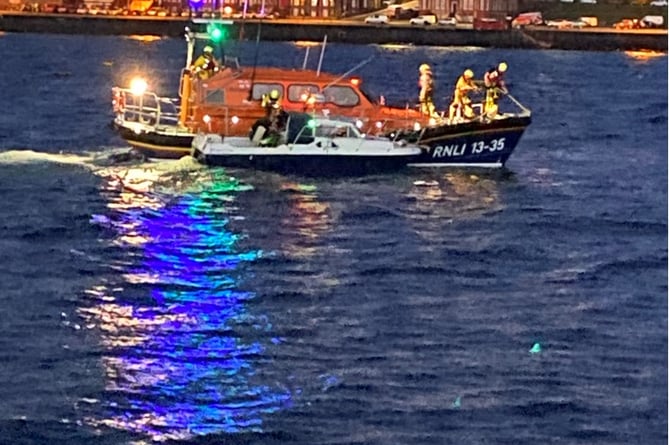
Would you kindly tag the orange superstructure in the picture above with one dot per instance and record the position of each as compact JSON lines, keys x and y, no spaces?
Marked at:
{"x":230,"y":102}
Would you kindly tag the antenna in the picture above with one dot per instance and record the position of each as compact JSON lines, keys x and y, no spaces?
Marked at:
{"x":190,"y":39}
{"x":364,"y":62}
{"x":306,"y":56}
{"x":255,"y":61}
{"x":320,"y":60}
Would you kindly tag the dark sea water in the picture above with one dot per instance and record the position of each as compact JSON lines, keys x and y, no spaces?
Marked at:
{"x":234,"y":307}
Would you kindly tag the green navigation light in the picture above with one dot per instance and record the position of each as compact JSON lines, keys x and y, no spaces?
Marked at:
{"x":216,"y":33}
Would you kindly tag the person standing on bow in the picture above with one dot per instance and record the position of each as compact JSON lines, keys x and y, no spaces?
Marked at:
{"x":494,"y":84}
{"x":461,"y":107}
{"x":425,"y":97}
{"x":205,"y":66}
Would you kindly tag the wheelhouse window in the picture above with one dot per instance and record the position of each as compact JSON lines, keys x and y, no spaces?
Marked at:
{"x":214,"y":96}
{"x":260,"y":89}
{"x":300,"y":93}
{"x":343,"y":96}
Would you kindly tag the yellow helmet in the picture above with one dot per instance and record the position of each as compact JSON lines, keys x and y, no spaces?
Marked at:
{"x":208,"y":49}
{"x":502,"y":67}
{"x":468,"y":74}
{"x":274,"y":94}
{"x":424,"y":68}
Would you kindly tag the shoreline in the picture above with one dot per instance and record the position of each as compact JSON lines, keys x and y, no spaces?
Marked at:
{"x":594,"y":39}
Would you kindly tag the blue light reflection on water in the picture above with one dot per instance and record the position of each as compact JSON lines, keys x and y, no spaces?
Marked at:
{"x":180,"y":344}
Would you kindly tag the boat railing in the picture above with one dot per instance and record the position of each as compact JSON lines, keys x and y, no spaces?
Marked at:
{"x":147,"y":109}
{"x":524,"y":111}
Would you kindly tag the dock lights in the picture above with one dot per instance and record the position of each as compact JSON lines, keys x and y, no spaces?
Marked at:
{"x":416,"y":126}
{"x":235,"y":120}
{"x":359,"y":123}
{"x":379,"y":124}
{"x":138,"y":86}
{"x":207,"y":120}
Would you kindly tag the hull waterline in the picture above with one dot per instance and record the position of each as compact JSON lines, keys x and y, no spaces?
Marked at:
{"x":470,"y":144}
{"x":314,"y":165}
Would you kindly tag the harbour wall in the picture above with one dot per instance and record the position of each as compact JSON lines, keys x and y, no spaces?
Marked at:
{"x":598,"y":39}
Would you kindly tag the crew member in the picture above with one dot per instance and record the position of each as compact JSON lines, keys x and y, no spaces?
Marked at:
{"x":426,"y":84}
{"x":205,"y":66}
{"x":462,"y":104}
{"x":494,"y":84}
{"x":274,"y":114}
{"x":271,"y":102}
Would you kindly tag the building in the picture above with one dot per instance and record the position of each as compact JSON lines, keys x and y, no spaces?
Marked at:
{"x":295,"y":8}
{"x":466,"y":10}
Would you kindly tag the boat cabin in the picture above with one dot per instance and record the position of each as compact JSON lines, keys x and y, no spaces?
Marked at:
{"x":230,"y":101}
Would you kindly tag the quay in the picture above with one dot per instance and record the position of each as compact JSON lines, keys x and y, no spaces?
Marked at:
{"x":347,"y":31}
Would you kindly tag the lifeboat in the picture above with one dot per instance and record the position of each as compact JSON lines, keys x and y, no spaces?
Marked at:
{"x":229,"y":103}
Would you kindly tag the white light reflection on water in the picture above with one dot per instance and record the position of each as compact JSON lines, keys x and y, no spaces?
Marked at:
{"x":455,"y":197}
{"x":180,"y":346}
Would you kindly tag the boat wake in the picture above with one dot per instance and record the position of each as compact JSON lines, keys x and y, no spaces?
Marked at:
{"x":30,"y":156}
{"x":124,"y":169}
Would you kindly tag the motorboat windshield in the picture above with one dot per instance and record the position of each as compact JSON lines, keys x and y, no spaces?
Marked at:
{"x":303,"y":128}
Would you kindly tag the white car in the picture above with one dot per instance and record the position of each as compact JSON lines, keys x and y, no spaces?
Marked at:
{"x":378,"y":19}
{"x":566,"y":24}
{"x":424,"y":20}
{"x":658,"y":3}
{"x":448,"y":21}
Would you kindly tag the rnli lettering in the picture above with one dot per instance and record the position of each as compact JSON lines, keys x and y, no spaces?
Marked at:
{"x":449,"y":150}
{"x":441,"y":151}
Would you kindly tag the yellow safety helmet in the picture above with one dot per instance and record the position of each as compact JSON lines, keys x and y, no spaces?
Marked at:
{"x":424,"y":68}
{"x":468,"y":74}
{"x":502,"y":67}
{"x":208,"y":49}
{"x":274,"y":94}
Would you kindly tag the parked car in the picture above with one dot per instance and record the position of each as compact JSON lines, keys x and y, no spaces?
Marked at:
{"x":566,"y":24}
{"x":157,"y":12}
{"x":527,"y":19}
{"x":627,"y":24}
{"x":448,"y":21}
{"x":490,"y":24}
{"x":260,"y":13}
{"x":377,"y":19}
{"x":652,"y":21}
{"x":658,"y":3}
{"x":590,"y":21}
{"x":424,"y":20}
{"x":399,"y":13}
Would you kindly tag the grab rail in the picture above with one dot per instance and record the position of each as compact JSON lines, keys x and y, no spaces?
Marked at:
{"x":147,"y":109}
